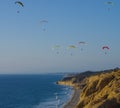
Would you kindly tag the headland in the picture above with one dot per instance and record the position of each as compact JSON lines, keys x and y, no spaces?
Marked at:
{"x":99,"y":89}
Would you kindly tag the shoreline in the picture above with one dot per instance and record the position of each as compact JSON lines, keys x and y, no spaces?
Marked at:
{"x":74,"y":99}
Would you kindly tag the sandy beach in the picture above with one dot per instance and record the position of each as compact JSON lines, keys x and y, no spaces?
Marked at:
{"x":74,"y":100}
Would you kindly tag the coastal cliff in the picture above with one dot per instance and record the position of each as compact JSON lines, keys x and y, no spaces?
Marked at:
{"x":76,"y":80}
{"x":98,"y":90}
{"x":101,"y":91}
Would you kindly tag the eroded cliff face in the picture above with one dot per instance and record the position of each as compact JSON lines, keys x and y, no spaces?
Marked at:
{"x":101,"y":91}
{"x":67,"y":83}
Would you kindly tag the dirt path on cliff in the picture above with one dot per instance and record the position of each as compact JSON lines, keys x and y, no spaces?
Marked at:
{"x":74,"y":100}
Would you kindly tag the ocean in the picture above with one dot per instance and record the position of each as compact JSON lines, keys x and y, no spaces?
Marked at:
{"x":33,"y":91}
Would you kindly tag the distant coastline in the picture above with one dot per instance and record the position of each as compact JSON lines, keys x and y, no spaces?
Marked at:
{"x":88,"y":86}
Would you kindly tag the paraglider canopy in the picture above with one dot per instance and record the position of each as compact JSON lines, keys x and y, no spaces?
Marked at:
{"x":109,"y":3}
{"x":56,"y":46}
{"x":20,"y":3}
{"x":43,"y":23}
{"x":105,"y":47}
{"x":71,"y":46}
{"x":81,"y":42}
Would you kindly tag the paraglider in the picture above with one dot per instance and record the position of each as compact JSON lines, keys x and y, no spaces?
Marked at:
{"x":43,"y":23}
{"x":71,"y":47}
{"x":56,"y":48}
{"x":110,"y":4}
{"x":20,"y":4}
{"x":81,"y":43}
{"x":105,"y":48}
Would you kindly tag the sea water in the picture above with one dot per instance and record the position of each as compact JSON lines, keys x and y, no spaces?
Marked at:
{"x":33,"y":91}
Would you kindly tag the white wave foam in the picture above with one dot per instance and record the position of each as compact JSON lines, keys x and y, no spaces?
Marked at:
{"x":57,"y":101}
{"x":48,"y":104}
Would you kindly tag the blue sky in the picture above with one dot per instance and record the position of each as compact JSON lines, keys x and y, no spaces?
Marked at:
{"x":26,"y":48}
